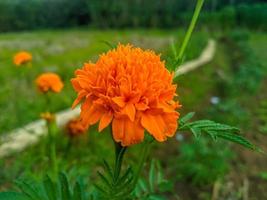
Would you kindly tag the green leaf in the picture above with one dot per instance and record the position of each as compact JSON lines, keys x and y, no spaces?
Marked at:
{"x":29,"y":190}
{"x":111,"y":46}
{"x":212,"y":134}
{"x":126,"y":176}
{"x":13,"y":196}
{"x":216,"y":130}
{"x":156,"y":197}
{"x":160,"y":176}
{"x":99,"y":188}
{"x":65,"y":191}
{"x":152,"y":176}
{"x":143,"y":185}
{"x":77,"y":192}
{"x":104,"y":179}
{"x":108,"y":169}
{"x":237,"y":139}
{"x":196,"y":132}
{"x":50,"y":188}
{"x":187,"y":117}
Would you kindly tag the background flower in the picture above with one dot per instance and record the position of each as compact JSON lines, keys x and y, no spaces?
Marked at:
{"x":75,"y":127}
{"x":22,"y":57}
{"x":49,"y":82}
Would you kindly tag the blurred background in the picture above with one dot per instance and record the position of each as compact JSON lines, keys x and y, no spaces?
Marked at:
{"x":63,"y":34}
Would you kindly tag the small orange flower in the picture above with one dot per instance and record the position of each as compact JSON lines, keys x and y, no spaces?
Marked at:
{"x":22,"y":57}
{"x":47,"y":116}
{"x":49,"y":81}
{"x":75,"y":127}
{"x":130,"y":88}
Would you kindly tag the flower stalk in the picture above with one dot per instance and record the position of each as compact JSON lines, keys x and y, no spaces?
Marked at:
{"x":51,"y":146}
{"x":144,"y":154}
{"x":119,"y":153}
{"x":190,"y":30}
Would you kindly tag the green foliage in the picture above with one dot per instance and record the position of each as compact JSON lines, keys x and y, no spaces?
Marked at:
{"x":35,"y":14}
{"x":115,"y":187}
{"x":262,"y":114}
{"x":202,"y":162}
{"x":214,"y":130}
{"x":155,"y":186}
{"x":48,"y":190}
{"x":263,"y":175}
{"x":248,"y":71}
{"x":12,"y":196}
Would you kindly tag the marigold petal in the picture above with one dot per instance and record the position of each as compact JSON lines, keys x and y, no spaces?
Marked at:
{"x":94,"y":114}
{"x":120,"y":101}
{"x":118,"y":129}
{"x":129,"y":110}
{"x":105,"y":120}
{"x":172,"y":124}
{"x":80,"y":96}
{"x":133,"y":133}
{"x":155,"y":125}
{"x":75,"y":84}
{"x":85,"y":109}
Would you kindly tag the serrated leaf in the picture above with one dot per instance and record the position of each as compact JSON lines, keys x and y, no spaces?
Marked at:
{"x":237,"y":139}
{"x":201,"y":124}
{"x":187,"y":117}
{"x":217,"y":130}
{"x":100,"y":189}
{"x":212,"y":134}
{"x":65,"y":190}
{"x":108,"y":169}
{"x":125,"y":185}
{"x":29,"y":190}
{"x":126,"y":175}
{"x":104,"y":179}
{"x":50,"y":188}
{"x":196,"y":132}
{"x":13,"y":196}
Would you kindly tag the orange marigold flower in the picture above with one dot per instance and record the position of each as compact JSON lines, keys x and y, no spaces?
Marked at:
{"x":22,"y":57}
{"x":49,"y":81}
{"x":47,"y":116}
{"x":130,"y":88}
{"x":75,"y":127}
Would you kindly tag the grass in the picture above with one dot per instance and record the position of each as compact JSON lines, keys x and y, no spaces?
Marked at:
{"x":63,"y":52}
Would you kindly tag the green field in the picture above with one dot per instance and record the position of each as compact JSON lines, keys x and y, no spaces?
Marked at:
{"x":64,"y":51}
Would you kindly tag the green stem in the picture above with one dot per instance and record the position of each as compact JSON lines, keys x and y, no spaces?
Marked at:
{"x":51,"y":142}
{"x":119,"y":151}
{"x":144,"y":155}
{"x":52,"y":150}
{"x":190,"y":30}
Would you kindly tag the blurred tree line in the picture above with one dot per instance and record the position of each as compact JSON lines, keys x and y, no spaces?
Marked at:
{"x":37,"y":14}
